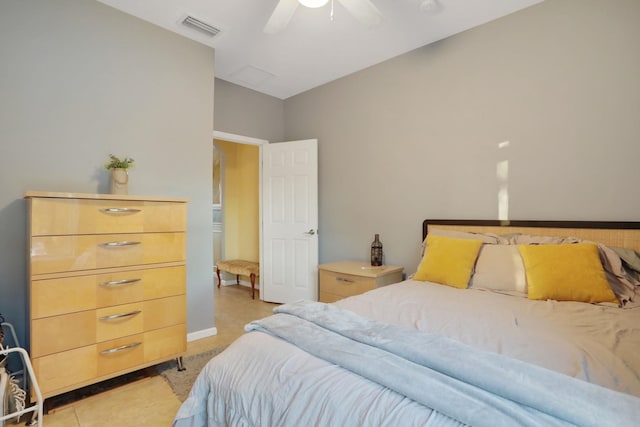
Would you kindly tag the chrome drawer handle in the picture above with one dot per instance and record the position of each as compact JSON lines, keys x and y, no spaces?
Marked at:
{"x":119,"y":316}
{"x":122,"y":243}
{"x":120,"y":210}
{"x":119,"y":282}
{"x":124,"y":347}
{"x":342,"y":279}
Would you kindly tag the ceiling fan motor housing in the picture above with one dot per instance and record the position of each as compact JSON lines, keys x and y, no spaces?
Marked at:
{"x":313,"y":3}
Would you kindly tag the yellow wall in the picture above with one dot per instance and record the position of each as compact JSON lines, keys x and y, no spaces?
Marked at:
{"x":240,"y":200}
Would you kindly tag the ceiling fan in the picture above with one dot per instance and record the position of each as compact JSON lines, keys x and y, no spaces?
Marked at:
{"x":363,"y":10}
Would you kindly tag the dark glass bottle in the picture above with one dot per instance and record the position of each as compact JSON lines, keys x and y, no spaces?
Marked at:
{"x":376,"y":251}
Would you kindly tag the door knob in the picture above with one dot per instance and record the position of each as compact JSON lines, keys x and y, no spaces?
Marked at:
{"x":310,"y":232}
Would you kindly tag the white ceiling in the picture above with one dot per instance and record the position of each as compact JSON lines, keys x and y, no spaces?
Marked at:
{"x":312,"y":50}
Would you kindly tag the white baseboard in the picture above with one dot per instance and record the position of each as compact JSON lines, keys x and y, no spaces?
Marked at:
{"x":204,"y":333}
{"x":242,"y":283}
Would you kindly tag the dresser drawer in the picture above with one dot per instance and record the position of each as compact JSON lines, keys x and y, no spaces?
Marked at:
{"x":68,"y":331}
{"x":54,"y":254}
{"x":164,"y":282}
{"x":119,"y":321}
{"x":163,"y":312}
{"x":62,"y":370}
{"x":52,"y":216}
{"x":344,"y":285}
{"x":164,"y":216}
{"x":55,"y":334}
{"x":120,"y":354}
{"x":165,"y":343}
{"x":51,"y":297}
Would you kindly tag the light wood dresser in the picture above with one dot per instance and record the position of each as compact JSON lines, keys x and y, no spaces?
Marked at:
{"x":107,"y":285}
{"x":347,"y":278}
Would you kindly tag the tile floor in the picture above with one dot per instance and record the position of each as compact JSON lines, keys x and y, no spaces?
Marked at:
{"x":150,"y":401}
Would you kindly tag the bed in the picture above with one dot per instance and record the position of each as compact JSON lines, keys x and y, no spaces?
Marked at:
{"x":476,"y":337}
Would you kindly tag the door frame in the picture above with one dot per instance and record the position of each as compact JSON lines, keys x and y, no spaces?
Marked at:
{"x":241,"y":139}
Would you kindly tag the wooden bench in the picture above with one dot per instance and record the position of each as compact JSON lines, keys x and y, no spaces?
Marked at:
{"x":240,"y":267}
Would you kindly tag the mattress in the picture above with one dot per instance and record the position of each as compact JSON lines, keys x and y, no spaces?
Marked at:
{"x":596,"y":343}
{"x":263,"y":380}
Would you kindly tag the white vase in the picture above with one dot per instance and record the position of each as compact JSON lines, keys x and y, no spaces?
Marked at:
{"x":119,"y":181}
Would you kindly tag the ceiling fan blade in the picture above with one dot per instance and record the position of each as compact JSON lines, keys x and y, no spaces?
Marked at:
{"x":364,"y":11}
{"x":281,"y":16}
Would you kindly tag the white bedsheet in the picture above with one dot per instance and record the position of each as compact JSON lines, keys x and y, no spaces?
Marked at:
{"x":260,"y":380}
{"x":599,"y":344}
{"x":264,"y":381}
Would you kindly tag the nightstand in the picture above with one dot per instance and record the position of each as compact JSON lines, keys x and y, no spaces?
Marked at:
{"x":347,"y":278}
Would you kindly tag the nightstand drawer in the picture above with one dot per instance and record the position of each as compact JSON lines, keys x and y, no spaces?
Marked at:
{"x":325,"y":297}
{"x":343,"y":279}
{"x":344,"y":285}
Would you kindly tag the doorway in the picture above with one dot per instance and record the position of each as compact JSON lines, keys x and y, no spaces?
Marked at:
{"x":289,"y":184}
{"x":236,"y":200}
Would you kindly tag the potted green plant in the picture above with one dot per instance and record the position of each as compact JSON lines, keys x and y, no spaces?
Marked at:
{"x":119,"y":174}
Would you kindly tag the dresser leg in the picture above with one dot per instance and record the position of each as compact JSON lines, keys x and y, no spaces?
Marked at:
{"x":180,"y":364}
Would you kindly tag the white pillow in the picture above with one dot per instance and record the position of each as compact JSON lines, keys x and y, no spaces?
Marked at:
{"x":500,"y":268}
{"x":485,"y":237}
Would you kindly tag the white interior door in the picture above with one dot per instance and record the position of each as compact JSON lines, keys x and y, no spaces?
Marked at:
{"x":289,"y":256}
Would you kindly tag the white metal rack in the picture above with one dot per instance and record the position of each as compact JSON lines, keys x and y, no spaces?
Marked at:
{"x":32,"y":384}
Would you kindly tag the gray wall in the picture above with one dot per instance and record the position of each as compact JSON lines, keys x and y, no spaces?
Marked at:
{"x":417,"y":136}
{"x":245,"y":112}
{"x":80,"y":80}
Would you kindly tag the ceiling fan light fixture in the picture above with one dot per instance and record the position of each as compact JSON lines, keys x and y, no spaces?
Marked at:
{"x":313,"y":3}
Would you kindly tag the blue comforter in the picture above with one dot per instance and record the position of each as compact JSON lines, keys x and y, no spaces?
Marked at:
{"x":460,"y":383}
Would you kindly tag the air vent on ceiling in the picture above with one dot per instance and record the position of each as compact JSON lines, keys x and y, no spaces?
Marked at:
{"x":200,"y":26}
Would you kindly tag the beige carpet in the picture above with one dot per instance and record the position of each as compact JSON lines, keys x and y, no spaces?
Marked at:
{"x":181,"y":381}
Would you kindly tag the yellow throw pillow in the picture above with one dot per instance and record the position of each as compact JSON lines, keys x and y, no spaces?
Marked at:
{"x":448,"y":261}
{"x":566,"y":272}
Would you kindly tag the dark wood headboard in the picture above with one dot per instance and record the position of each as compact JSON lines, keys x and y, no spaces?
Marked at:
{"x":612,"y":233}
